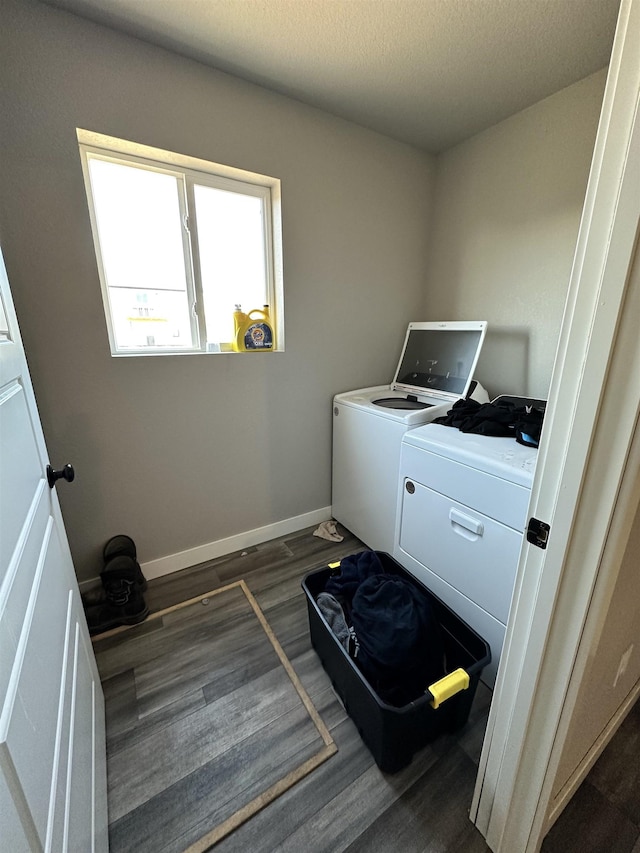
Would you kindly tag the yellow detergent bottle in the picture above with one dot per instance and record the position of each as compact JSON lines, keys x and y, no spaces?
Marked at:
{"x":254,"y":332}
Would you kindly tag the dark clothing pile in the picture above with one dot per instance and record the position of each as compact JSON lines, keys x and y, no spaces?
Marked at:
{"x":524,"y":423}
{"x":387,"y":626}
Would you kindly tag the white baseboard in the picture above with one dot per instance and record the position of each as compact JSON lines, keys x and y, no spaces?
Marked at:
{"x":211,"y":550}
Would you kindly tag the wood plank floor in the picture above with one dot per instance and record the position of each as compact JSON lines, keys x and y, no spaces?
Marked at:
{"x":347,"y":804}
{"x":192,"y":694}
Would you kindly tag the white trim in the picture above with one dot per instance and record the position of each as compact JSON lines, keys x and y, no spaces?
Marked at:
{"x":187,"y":171}
{"x":221,"y":547}
{"x":183,"y":161}
{"x":577,"y":482}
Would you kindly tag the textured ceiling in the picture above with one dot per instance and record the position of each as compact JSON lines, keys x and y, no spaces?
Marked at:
{"x":427,"y":72}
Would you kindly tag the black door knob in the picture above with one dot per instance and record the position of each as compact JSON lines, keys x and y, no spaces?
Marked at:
{"x":67,"y":473}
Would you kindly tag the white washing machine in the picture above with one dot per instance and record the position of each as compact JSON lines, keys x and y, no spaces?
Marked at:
{"x":462,"y":510}
{"x":435,"y":369}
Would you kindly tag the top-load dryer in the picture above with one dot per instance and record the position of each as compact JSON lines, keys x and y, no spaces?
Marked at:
{"x":435,"y":370}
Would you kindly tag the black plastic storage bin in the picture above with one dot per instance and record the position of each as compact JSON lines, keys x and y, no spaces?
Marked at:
{"x":394,"y":734}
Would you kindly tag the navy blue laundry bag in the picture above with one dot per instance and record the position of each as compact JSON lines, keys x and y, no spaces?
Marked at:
{"x":399,"y":647}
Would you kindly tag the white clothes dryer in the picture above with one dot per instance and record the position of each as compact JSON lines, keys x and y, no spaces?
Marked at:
{"x":462,"y":511}
{"x":435,"y":369}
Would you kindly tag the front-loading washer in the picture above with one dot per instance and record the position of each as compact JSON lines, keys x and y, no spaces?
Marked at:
{"x":435,"y":369}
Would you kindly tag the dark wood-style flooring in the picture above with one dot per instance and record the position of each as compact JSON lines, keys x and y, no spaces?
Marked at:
{"x":347,"y":805}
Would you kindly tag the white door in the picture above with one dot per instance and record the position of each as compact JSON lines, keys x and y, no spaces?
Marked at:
{"x":52,"y":742}
{"x":585,"y":483}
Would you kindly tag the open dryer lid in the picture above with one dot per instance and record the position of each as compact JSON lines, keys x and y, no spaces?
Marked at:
{"x":438,"y":359}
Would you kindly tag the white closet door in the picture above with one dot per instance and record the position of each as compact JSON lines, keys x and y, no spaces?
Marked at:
{"x":52,"y":743}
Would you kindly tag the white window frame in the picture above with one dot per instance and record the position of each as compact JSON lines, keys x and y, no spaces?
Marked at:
{"x":190,"y":171}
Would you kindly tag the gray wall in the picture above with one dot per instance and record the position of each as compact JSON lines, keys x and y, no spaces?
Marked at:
{"x":180,"y":451}
{"x":605,"y":688}
{"x":507,"y":208}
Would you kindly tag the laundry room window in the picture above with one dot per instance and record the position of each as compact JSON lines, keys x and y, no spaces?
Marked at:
{"x":179,"y":243}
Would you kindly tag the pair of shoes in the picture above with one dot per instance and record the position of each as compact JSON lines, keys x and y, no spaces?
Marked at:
{"x":123,"y":583}
{"x":120,"y":553}
{"x":124,"y":604}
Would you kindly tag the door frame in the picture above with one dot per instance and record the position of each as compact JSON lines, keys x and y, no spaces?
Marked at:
{"x":584,"y":487}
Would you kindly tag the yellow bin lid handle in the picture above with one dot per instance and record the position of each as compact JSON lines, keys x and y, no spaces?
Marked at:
{"x":448,"y":686}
